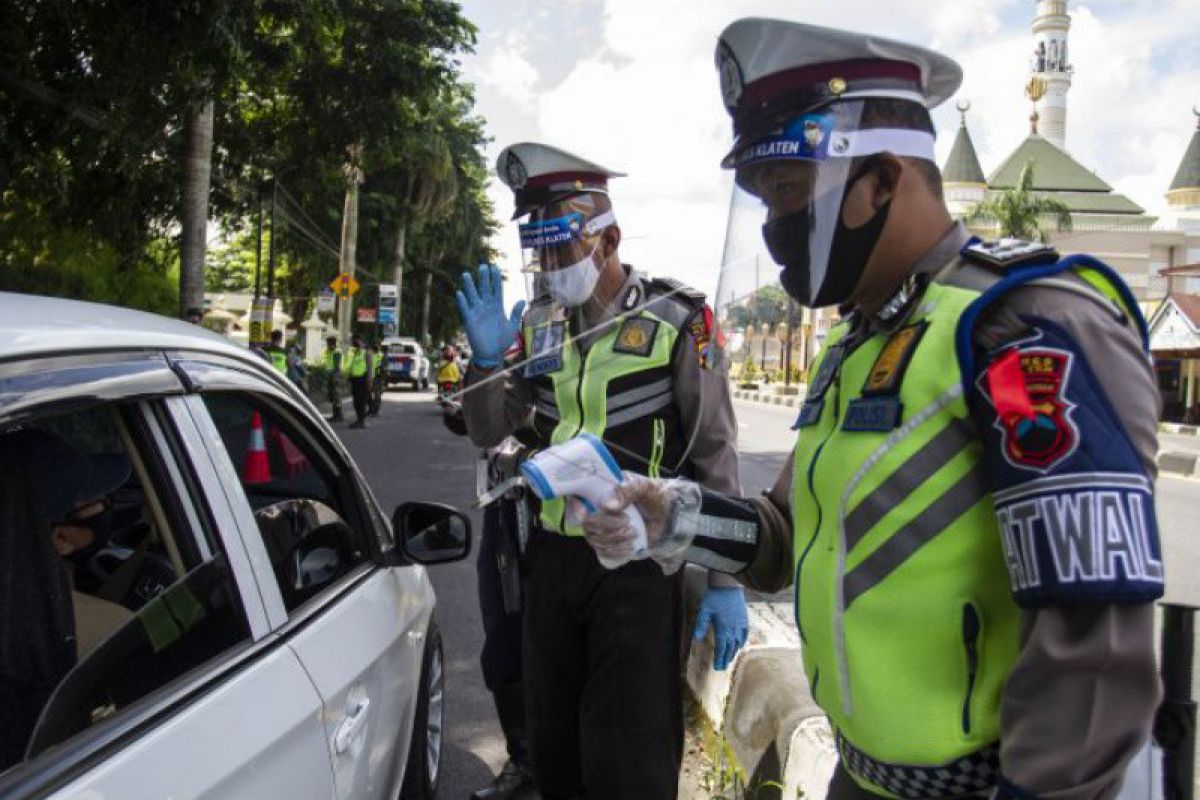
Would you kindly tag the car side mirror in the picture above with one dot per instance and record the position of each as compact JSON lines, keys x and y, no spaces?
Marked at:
{"x":432,"y":533}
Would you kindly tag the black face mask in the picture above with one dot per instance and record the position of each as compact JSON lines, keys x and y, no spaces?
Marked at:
{"x":787,"y":240}
{"x":101,"y":527}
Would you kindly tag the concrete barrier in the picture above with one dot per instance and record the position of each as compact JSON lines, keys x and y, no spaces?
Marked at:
{"x":761,"y":705}
{"x":1180,"y":464}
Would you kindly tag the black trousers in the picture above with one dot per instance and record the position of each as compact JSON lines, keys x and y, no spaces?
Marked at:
{"x":603,"y":655}
{"x":500,"y":659}
{"x":360,"y":392}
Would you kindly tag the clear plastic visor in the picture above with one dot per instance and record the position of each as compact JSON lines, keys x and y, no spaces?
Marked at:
{"x":795,"y":178}
{"x":559,"y":244}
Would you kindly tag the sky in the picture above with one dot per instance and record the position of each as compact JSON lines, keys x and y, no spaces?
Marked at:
{"x":630,"y":84}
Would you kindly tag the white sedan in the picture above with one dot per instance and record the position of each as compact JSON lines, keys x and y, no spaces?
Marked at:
{"x":199,"y":596}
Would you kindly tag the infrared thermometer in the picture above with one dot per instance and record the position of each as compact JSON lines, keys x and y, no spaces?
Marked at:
{"x":582,"y":467}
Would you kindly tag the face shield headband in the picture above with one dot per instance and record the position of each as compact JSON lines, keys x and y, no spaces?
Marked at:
{"x":559,"y":256}
{"x":801,"y":173}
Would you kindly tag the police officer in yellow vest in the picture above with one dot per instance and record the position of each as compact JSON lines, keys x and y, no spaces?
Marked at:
{"x":359,"y":368}
{"x":276,"y":354}
{"x":969,"y":518}
{"x":633,"y":360}
{"x":331,"y":361}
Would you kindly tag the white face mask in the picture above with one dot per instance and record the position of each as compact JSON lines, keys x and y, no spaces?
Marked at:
{"x":572,"y":286}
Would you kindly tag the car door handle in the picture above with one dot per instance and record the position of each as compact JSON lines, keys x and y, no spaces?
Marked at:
{"x":350,"y":725}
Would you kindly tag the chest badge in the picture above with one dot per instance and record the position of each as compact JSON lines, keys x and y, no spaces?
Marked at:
{"x":879,"y":408}
{"x":636,"y":336}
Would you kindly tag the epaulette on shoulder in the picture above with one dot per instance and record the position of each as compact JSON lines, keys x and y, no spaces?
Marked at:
{"x":1002,"y":255}
{"x":682,"y":292}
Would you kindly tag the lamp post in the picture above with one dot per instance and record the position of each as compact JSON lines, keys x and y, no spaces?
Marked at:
{"x":787,"y":345}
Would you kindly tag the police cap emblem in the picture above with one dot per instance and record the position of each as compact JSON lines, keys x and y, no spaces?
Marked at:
{"x":731,"y":75}
{"x":514,"y":171}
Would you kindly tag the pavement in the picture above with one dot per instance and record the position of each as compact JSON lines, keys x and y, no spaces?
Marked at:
{"x":407,"y":454}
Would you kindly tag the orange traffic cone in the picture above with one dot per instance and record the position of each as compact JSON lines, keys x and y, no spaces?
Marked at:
{"x":257,"y":466}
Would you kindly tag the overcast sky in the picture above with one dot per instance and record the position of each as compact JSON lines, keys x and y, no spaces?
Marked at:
{"x":631,"y":84}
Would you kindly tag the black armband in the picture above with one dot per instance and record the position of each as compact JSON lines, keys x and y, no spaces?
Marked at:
{"x":723,"y":533}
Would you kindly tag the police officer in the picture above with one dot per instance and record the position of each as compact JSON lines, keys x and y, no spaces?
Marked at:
{"x":275,"y":352}
{"x":969,"y":517}
{"x":605,"y":350}
{"x":331,"y":360}
{"x":380,"y":381}
{"x":358,"y":372}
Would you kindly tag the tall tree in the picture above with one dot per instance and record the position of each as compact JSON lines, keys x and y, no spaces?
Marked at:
{"x":1020,"y":212}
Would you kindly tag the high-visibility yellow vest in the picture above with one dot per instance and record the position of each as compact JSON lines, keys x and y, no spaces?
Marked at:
{"x":903,"y":601}
{"x":330,"y":359}
{"x":278,"y":358}
{"x":356,"y":366}
{"x":622,"y":391}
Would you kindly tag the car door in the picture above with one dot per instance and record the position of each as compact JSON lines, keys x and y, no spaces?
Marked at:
{"x":185,"y":692}
{"x":316,"y":540}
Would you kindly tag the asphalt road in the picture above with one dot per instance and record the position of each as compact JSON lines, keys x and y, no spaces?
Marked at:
{"x":406,"y":454}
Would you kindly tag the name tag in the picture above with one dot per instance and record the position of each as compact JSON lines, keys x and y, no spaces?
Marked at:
{"x":547,"y":348}
{"x":873,"y":414}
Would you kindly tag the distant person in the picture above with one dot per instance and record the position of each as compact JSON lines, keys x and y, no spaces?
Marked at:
{"x":297,"y":372}
{"x":331,"y":360}
{"x":358,"y":371}
{"x":380,"y":382}
{"x":276,"y":354}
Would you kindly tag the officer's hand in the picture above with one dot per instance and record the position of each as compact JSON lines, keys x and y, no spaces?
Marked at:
{"x":489,"y":331}
{"x":724,"y":608}
{"x":609,"y":532}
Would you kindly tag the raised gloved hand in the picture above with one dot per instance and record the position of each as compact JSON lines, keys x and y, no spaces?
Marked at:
{"x":724,"y":608}
{"x":489,"y":330}
{"x":608,"y":530}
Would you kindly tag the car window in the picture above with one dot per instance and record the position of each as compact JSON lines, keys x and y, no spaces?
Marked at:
{"x":107,"y":592}
{"x":409,"y":349}
{"x":313,"y":524}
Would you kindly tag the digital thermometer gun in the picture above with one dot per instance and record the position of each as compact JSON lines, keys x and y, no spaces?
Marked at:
{"x":582,"y":467}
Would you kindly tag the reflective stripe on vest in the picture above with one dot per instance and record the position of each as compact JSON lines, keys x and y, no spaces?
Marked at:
{"x":902,"y":596}
{"x":357,"y":365}
{"x":580,"y":398}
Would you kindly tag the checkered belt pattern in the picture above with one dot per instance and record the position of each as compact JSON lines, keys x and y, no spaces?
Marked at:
{"x":972,"y":775}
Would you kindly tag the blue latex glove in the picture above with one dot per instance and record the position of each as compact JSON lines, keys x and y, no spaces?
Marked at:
{"x":489,"y":331}
{"x":725,"y":608}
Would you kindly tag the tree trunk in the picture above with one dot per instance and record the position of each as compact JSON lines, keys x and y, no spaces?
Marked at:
{"x":425,"y":309}
{"x":398,"y":271}
{"x":349,"y":247}
{"x":197,"y":173}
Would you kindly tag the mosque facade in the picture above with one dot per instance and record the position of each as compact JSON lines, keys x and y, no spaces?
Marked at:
{"x":1159,"y":257}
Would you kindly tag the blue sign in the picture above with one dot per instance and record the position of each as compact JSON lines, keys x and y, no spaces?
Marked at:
{"x":387,"y":315}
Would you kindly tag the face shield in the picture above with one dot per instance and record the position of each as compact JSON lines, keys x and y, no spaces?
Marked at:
{"x":787,"y":210}
{"x":558,"y":250}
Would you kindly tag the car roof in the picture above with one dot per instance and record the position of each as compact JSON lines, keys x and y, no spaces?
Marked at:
{"x":32,"y":325}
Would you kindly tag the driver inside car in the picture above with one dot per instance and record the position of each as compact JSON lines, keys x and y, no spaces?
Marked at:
{"x":47,"y":625}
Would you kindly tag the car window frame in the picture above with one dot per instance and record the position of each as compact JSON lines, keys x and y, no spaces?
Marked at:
{"x":218,"y":376}
{"x":64,"y":762}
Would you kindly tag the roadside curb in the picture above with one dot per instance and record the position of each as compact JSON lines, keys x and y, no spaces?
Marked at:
{"x":1182,"y":465}
{"x":1179,"y":428}
{"x":768,"y":398}
{"x":761,"y":706}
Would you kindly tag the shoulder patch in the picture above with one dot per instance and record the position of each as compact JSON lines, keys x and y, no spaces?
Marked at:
{"x":636,"y":336}
{"x":1004,"y":254}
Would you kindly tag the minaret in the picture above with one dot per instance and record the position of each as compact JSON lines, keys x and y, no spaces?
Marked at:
{"x":1183,"y":198}
{"x":1049,"y":62}
{"x":963,"y":184}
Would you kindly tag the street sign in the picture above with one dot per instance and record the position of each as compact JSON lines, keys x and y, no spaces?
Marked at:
{"x":387,"y":316}
{"x":344,"y":285}
{"x":366,"y":315}
{"x":388,"y":290}
{"x":325,"y":300}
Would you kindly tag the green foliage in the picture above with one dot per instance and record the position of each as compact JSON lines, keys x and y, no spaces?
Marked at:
{"x":1020,"y":212}
{"x":93,"y":101}
{"x":768,"y":304}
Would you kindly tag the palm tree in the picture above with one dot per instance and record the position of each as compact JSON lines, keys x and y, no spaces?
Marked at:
{"x":1020,"y":212}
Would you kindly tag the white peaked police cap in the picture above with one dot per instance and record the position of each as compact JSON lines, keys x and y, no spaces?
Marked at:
{"x":539,"y":174}
{"x":772,"y":70}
